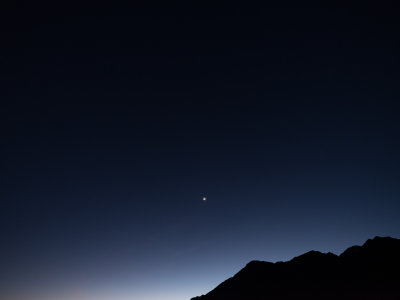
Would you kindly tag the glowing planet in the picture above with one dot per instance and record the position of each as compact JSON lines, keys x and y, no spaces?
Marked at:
{"x":204,"y":198}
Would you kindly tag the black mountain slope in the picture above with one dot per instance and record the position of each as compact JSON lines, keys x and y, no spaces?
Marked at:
{"x":370,"y":271}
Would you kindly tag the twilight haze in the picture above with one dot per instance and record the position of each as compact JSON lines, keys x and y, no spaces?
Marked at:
{"x":150,"y":152}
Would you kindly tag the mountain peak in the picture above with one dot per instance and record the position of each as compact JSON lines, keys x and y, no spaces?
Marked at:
{"x":381,"y":241}
{"x":368,"y":272}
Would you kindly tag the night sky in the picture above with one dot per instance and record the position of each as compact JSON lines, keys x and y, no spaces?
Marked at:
{"x":116,"y":121}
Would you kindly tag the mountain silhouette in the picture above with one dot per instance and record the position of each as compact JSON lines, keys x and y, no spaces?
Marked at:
{"x":370,"y":271}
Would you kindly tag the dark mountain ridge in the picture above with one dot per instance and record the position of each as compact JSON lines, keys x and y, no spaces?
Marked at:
{"x":370,"y":271}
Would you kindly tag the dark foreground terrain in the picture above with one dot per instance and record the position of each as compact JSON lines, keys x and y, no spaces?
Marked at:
{"x":370,"y":271}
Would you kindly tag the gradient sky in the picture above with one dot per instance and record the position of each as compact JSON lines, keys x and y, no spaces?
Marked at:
{"x":116,"y":121}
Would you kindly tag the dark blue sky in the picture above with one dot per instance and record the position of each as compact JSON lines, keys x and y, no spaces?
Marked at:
{"x":116,"y":121}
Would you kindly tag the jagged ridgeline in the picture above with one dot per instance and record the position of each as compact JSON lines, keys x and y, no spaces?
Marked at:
{"x":370,"y":271}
